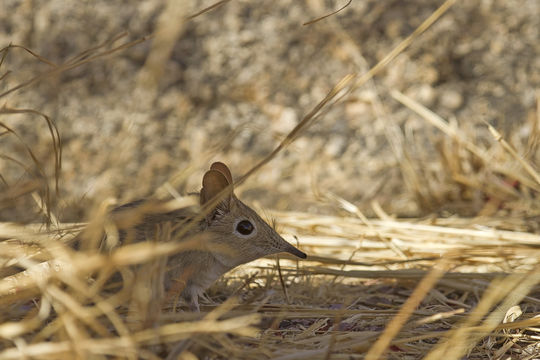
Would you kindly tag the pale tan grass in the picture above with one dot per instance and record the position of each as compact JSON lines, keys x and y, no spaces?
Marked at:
{"x":479,"y":280}
{"x":367,"y":281}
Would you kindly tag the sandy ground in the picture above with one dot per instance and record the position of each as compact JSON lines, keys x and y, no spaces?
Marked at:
{"x":239,"y":77}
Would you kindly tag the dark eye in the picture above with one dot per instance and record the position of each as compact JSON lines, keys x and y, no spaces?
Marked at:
{"x":244,"y":227}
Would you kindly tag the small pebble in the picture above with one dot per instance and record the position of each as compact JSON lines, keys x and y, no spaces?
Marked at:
{"x":451,"y":99}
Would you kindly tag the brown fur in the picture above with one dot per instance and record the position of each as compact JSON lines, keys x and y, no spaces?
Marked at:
{"x":221,"y":247}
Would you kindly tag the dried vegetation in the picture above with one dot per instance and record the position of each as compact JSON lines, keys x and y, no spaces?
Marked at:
{"x":460,"y":281}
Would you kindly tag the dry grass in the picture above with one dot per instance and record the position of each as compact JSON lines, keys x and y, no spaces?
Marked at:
{"x":441,"y":291}
{"x":433,"y":287}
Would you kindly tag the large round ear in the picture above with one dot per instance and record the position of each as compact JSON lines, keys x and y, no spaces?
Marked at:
{"x":221,"y":167}
{"x":214,"y":182}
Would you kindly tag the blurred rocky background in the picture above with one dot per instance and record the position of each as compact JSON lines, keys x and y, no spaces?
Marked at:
{"x":230,"y":83}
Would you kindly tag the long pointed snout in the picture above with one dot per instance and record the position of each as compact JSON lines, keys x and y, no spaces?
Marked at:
{"x":286,"y":247}
{"x":292,"y":250}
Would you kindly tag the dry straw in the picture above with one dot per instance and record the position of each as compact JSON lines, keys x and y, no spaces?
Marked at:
{"x":389,"y":288}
